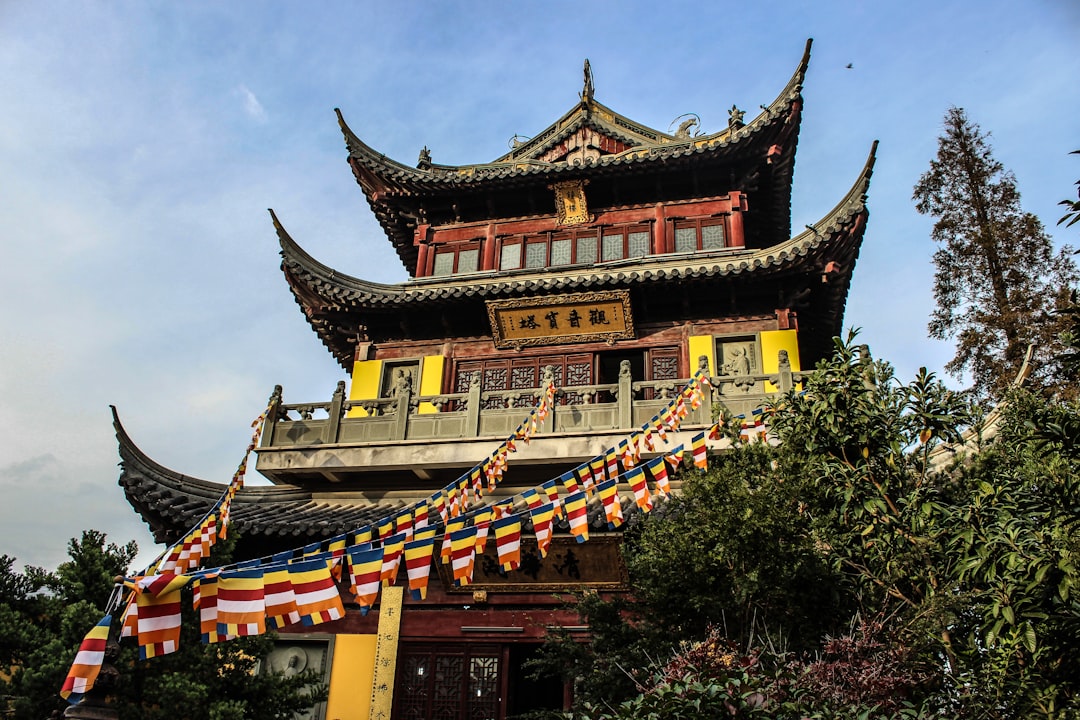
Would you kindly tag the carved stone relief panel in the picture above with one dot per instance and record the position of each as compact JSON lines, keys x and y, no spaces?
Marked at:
{"x":291,"y":657}
{"x":739,"y":357}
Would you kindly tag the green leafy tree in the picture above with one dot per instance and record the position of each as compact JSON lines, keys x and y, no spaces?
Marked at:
{"x":997,"y":279}
{"x":1072,"y":207}
{"x":927,"y":589}
{"x":44,"y":617}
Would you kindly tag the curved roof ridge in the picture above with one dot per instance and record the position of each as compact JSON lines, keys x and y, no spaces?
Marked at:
{"x":130,"y":453}
{"x":591,"y":112}
{"x":345,"y":287}
{"x":294,"y":255}
{"x":361,"y":150}
{"x":856,"y":195}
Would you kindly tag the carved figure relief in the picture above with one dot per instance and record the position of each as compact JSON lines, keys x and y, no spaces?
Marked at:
{"x":739,"y":359}
{"x":292,"y":658}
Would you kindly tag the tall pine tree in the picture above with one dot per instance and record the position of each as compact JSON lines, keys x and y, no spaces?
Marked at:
{"x":997,"y":279}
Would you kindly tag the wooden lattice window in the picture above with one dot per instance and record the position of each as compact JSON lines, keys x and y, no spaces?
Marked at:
{"x":523,"y":374}
{"x":449,"y":682}
{"x":699,"y":234}
{"x":456,"y":259}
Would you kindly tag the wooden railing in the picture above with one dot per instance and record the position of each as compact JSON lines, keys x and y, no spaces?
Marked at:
{"x":408,"y":416}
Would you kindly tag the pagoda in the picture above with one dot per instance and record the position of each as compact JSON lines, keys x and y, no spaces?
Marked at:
{"x":602,"y":257}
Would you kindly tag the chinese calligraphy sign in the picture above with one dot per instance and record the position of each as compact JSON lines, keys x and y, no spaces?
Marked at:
{"x":561,"y":319}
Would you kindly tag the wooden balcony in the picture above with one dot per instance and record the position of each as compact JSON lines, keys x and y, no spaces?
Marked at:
{"x":310,"y":443}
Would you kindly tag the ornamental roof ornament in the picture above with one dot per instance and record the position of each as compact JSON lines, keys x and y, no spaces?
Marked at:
{"x":587,"y":90}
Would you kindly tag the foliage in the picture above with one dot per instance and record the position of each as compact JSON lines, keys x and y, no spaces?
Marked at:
{"x":40,"y":633}
{"x":1072,"y":207}
{"x":997,"y":280}
{"x":849,"y":572}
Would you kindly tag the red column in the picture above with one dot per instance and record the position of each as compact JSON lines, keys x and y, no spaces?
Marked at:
{"x":488,"y":263}
{"x":737,"y":235}
{"x":660,"y":232}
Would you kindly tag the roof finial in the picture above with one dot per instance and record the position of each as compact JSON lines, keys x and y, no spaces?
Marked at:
{"x":587,"y":91}
{"x":424,"y":163}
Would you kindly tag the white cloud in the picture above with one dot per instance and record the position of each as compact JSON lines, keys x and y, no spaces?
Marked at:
{"x":252,"y":106}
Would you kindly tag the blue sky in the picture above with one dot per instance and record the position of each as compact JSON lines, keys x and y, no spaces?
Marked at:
{"x":142,"y":142}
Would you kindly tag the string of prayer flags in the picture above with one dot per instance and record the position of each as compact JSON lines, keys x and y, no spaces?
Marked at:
{"x":84,"y":671}
{"x":508,"y":541}
{"x":640,"y":486}
{"x":577,"y":513}
{"x":241,"y":604}
{"x":418,"y":565}
{"x":365,"y":568}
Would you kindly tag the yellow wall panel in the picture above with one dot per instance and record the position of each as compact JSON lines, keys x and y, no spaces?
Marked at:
{"x":699,"y":345}
{"x":365,"y":384}
{"x":772,"y":342}
{"x":351,"y":677}
{"x":431,"y":377}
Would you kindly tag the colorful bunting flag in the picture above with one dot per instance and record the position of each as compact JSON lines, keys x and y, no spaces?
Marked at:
{"x":317,"y":598}
{"x":542,"y":519}
{"x":699,"y":452}
{"x":552,"y":493}
{"x":508,"y":541}
{"x":418,"y":565}
{"x":365,"y":569}
{"x":84,"y":671}
{"x":577,"y":513}
{"x":462,"y":555}
{"x":392,"y":548}
{"x":281,"y":610}
{"x":640,"y":486}
{"x":241,"y":603}
{"x":658,"y":468}
{"x":609,"y":497}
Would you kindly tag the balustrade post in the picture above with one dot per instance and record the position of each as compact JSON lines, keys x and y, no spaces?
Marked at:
{"x":472,"y":423}
{"x":626,"y":395}
{"x":333,"y":423}
{"x":784,"y":375}
{"x":703,"y":415}
{"x":273,"y":414}
{"x":401,"y":414}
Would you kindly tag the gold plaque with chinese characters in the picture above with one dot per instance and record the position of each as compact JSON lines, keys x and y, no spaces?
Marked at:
{"x":570,"y":205}
{"x":561,"y":319}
